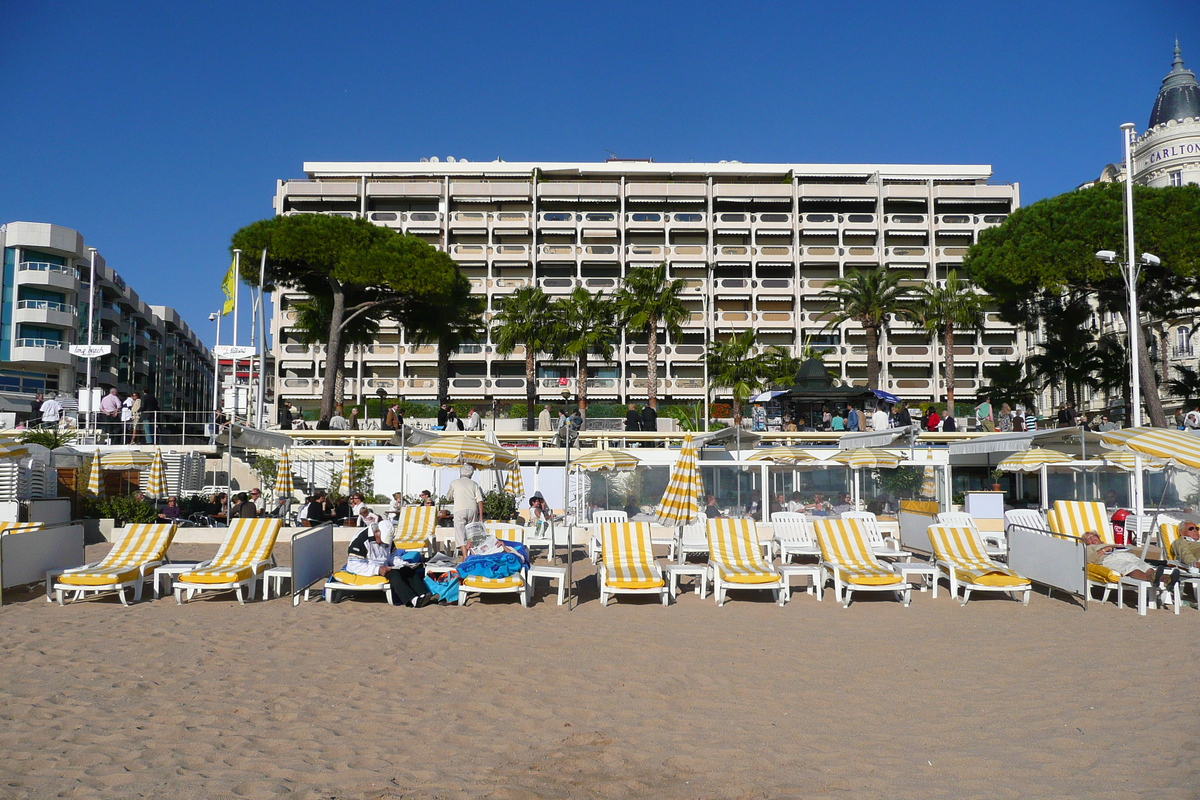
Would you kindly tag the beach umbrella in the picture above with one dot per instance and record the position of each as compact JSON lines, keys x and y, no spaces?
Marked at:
{"x":606,"y":461}
{"x":156,"y":484}
{"x":93,"y":482}
{"x":782,"y":455}
{"x":680,"y":502}
{"x":515,"y":484}
{"x":11,"y":448}
{"x":345,"y":485}
{"x":1176,"y":447}
{"x":1033,"y":459}
{"x":453,"y":451}
{"x":1127,"y":461}
{"x":126,"y":459}
{"x":861,"y":458}
{"x":283,"y":475}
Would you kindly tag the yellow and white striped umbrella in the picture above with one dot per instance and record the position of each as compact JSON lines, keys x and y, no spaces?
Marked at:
{"x":1166,"y":444}
{"x":283,"y":475}
{"x":1126,"y":460}
{"x":929,"y":482}
{"x":515,"y":484}
{"x":868,"y":458}
{"x":453,"y":451}
{"x":11,"y":448}
{"x":1034,"y":459}
{"x":680,"y":503}
{"x":156,"y":484}
{"x":782,"y":455}
{"x":93,"y":480}
{"x":126,"y":459}
{"x":345,"y":485}
{"x":606,"y":461}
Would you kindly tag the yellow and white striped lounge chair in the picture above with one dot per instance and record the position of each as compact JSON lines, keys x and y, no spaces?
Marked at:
{"x":1168,"y":534}
{"x":995,"y":543}
{"x":627,"y":564}
{"x":849,"y":560}
{"x":960,"y":555}
{"x":518,"y":582}
{"x":242,"y":557}
{"x":20,"y":527}
{"x":129,"y":564}
{"x":1075,"y":518}
{"x":415,"y":528}
{"x":343,"y":581}
{"x":736,"y":561}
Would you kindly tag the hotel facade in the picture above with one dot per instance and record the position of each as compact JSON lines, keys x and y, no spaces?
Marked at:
{"x":756,"y":244}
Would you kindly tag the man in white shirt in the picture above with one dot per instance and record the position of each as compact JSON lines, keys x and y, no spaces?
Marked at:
{"x":51,"y":412}
{"x":879,"y":419}
{"x":467,"y":498}
{"x":474,"y":422}
{"x":337,"y":422}
{"x":544,"y":421}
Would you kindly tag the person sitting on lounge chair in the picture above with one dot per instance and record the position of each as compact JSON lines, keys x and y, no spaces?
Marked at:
{"x":1124,"y":562}
{"x":371,"y":554}
{"x":1186,"y":549}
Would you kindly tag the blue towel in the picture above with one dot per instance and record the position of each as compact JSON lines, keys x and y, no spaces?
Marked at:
{"x":499,"y":565}
{"x":522,"y":550}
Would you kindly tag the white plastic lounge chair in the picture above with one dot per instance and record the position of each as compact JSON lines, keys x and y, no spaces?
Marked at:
{"x":693,"y":538}
{"x":850,"y":561}
{"x":995,"y":543}
{"x":242,"y":557}
{"x":960,"y":555}
{"x":736,"y":560}
{"x":883,"y":546}
{"x":517,"y":583}
{"x":128,"y":565}
{"x":1028,"y":518}
{"x":793,"y":536}
{"x":627,"y":565}
{"x":599,"y":518}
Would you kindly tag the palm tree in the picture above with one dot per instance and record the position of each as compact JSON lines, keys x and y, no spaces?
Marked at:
{"x":942,"y":309}
{"x":646,"y":300}
{"x":1068,"y":355}
{"x":1009,"y":382}
{"x":1114,"y":373}
{"x":525,"y":319}
{"x":584,"y":325}
{"x":869,"y":298}
{"x":732,"y":364}
{"x":313,"y":316}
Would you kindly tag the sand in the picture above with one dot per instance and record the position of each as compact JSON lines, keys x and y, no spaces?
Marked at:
{"x":362,"y":700}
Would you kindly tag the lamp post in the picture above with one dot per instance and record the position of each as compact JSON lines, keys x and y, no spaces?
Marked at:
{"x":566,"y":431}
{"x":91,"y":412}
{"x":216,"y":316}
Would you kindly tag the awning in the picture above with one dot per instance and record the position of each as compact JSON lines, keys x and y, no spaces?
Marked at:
{"x":244,"y":436}
{"x":412,"y":437}
{"x":887,"y":438}
{"x":1073,"y":441}
{"x":731,"y":438}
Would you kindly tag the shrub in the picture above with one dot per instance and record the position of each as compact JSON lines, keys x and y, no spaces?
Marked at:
{"x":122,"y":507}
{"x":499,"y":505}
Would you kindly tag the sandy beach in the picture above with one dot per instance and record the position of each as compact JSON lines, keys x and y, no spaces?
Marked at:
{"x":362,"y":700}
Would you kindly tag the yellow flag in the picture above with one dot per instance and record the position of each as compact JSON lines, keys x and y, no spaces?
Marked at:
{"x":229,"y":287}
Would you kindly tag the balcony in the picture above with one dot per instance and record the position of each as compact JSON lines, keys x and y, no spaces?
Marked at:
{"x":305,"y":351}
{"x":423,"y":222}
{"x":736,"y":319}
{"x":732,"y":254}
{"x":858,"y":222}
{"x":511,"y":220}
{"x":954,"y":222}
{"x":600,"y":284}
{"x":46,"y":350}
{"x":475,"y":253}
{"x":469,"y":222}
{"x":46,"y":312}
{"x":646,"y":252}
{"x":776,"y":319}
{"x":772,"y":286}
{"x":773,"y":254}
{"x":688,"y":253}
{"x":600,"y":221}
{"x":773,"y":222}
{"x":953,"y":253}
{"x":1000,"y":351}
{"x":909,"y":352}
{"x":907,"y":255}
{"x":906,"y":222}
{"x":644,"y":220}
{"x":862,"y":255}
{"x":387,"y":219}
{"x":557,"y":220}
{"x":687,"y":220}
{"x":511,"y":252}
{"x":510,"y":284}
{"x":992,"y":220}
{"x":732,"y":287}
{"x":557,"y":252}
{"x":42,"y":273}
{"x":557,"y":285}
{"x":599,"y":252}
{"x":822,"y":253}
{"x":820,"y":223}
{"x":508,"y":387}
{"x":729,"y":222}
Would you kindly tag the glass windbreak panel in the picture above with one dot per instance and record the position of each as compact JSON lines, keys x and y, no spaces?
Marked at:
{"x":736,"y":487}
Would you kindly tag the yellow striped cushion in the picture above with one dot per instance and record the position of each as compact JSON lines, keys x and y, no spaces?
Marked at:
{"x":733,"y":544}
{"x":480,"y":582}
{"x":962,"y":547}
{"x":1101,"y":574}
{"x":416,"y":524}
{"x":20,"y":527}
{"x":248,"y":542}
{"x":1168,"y":534}
{"x":411,"y":544}
{"x":98,"y":578}
{"x":844,"y":542}
{"x":629,"y":556}
{"x":1075,"y":518}
{"x":351,"y":579}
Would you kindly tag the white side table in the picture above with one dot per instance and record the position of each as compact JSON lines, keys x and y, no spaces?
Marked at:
{"x":814,"y":572}
{"x":276,"y":575}
{"x":925,"y":568}
{"x":674,"y":571}
{"x":553,"y":574}
{"x":166,"y":572}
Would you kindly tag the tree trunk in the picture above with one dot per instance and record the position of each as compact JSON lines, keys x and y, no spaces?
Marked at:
{"x":873,"y":363}
{"x":530,"y":387}
{"x":1154,"y":407}
{"x":581,"y":380}
{"x":339,"y":386}
{"x":652,"y":365}
{"x":335,"y":352}
{"x":443,"y":365}
{"x":948,"y":344}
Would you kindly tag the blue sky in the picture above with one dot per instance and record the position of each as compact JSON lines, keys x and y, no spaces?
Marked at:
{"x":158,"y":129}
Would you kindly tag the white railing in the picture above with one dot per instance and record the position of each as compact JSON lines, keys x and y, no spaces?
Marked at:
{"x":46,"y":266}
{"x":49,"y":344}
{"x":47,"y":305}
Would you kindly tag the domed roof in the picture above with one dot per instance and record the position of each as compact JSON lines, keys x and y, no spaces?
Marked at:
{"x":1179,"y":97}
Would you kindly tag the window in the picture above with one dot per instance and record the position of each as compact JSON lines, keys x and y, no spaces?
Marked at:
{"x":1176,"y":178}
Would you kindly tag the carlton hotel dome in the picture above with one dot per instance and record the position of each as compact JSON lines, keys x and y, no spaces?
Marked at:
{"x":1168,"y":153}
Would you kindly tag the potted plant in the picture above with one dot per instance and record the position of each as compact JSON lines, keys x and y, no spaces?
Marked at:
{"x":996,"y":476}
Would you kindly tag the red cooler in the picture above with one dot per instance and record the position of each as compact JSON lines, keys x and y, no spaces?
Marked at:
{"x":1118,"y":525}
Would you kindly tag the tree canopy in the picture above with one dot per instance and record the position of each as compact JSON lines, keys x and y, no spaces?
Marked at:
{"x":359,"y":268}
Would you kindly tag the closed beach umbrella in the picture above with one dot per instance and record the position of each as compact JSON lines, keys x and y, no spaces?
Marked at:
{"x":453,"y":451}
{"x":346,"y":483}
{"x":156,"y":484}
{"x":93,"y":482}
{"x":782,"y":455}
{"x":515,"y":484}
{"x":680,"y":503}
{"x":11,"y":448}
{"x":283,"y":475}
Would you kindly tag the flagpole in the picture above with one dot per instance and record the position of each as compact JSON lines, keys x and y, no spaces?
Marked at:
{"x":237,"y":278}
{"x":262,"y":339}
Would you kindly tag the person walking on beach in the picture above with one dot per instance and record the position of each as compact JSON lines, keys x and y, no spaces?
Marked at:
{"x":544,"y":422}
{"x":467,"y":499}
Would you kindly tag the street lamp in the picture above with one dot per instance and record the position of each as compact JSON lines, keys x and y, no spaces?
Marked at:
{"x":216,"y":317}
{"x":1130,"y":270}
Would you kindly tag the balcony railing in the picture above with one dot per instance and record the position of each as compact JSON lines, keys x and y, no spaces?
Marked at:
{"x":46,"y":266}
{"x":49,"y":344}
{"x":47,"y":305}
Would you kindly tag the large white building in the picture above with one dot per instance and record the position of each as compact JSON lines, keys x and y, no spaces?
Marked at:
{"x":44,"y":311}
{"x":756,"y":243}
